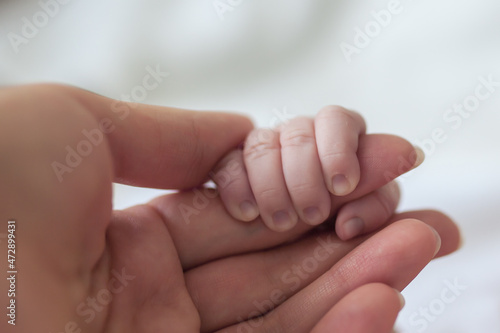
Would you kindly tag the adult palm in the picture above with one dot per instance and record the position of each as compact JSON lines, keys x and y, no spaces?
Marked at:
{"x":180,"y":263}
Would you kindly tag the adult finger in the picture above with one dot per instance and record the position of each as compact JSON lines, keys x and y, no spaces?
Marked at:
{"x":293,"y":267}
{"x":371,"y":308}
{"x":75,"y":143}
{"x":161,"y":147}
{"x":202,"y":229}
{"x":373,"y":210}
{"x":393,"y":256}
{"x":253,"y":284}
{"x":367,"y":213}
{"x":451,"y":239}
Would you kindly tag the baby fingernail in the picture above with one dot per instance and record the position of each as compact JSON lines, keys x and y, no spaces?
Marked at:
{"x":249,"y":211}
{"x":340,"y":185}
{"x":313,"y":215}
{"x":282,"y":221}
{"x":353,"y":227}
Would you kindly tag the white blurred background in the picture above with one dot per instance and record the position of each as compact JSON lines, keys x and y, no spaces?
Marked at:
{"x":274,"y":58}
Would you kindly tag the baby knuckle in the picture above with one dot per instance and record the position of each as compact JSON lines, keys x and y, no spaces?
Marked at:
{"x":303,"y":189}
{"x":335,"y":155}
{"x":269,"y":193}
{"x":296,"y":137}
{"x":259,"y":143}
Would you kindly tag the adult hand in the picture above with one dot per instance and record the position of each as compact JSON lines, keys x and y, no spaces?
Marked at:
{"x":181,"y":263}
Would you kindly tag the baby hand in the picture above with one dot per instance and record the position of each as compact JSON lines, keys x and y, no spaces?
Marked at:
{"x":290,"y":173}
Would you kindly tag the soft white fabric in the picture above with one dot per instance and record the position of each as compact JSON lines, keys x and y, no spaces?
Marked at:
{"x":273,"y":58}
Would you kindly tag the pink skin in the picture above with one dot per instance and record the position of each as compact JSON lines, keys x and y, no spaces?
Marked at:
{"x":337,"y":134}
{"x":263,"y":160}
{"x":232,"y":179}
{"x":357,"y":312}
{"x":295,"y":171}
{"x":302,"y":170}
{"x":366,"y":214}
{"x":204,"y":272}
{"x":310,"y":277}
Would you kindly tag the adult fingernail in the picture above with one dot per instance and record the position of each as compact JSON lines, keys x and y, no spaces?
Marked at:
{"x":282,"y":221}
{"x":353,"y":227}
{"x":340,"y":185}
{"x":313,"y":215}
{"x":460,"y":242}
{"x":438,"y":241}
{"x":249,"y":211}
{"x":402,"y":301}
{"x":419,"y":156}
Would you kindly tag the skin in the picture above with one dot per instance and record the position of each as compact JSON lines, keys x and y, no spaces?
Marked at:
{"x":287,"y":174}
{"x":205,"y":272}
